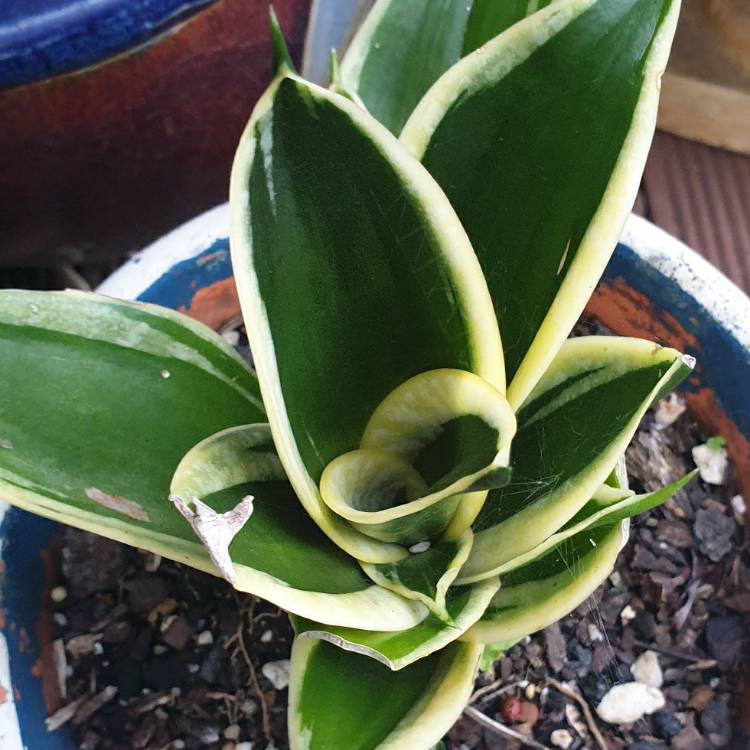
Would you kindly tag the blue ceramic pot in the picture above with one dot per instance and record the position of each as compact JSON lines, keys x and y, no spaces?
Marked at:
{"x":654,"y":287}
{"x":44,"y":38}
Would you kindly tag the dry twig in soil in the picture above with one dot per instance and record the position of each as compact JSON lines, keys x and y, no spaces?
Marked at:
{"x":497,"y":728}
{"x":574,"y":695}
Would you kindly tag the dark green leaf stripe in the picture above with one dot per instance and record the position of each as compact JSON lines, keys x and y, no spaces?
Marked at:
{"x":572,"y":432}
{"x":400,"y":50}
{"x":397,"y":650}
{"x":326,"y":258}
{"x":540,"y":593}
{"x":488,"y":18}
{"x":339,"y":699}
{"x":599,"y":511}
{"x":427,"y":575}
{"x":587,"y":74}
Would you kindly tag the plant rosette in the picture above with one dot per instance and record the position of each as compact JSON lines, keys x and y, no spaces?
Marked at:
{"x":405,"y":485}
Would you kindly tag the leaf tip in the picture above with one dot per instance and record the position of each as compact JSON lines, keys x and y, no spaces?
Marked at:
{"x":282,"y":60}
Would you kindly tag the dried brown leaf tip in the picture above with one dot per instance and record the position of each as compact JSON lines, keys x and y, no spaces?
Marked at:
{"x":118,"y":504}
{"x":216,"y":530}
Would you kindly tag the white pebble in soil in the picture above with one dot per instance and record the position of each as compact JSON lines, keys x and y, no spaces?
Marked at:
{"x":277,"y":673}
{"x":711,"y":462}
{"x":739,"y":507}
{"x":629,"y":702}
{"x":561,"y":738}
{"x":668,"y":411}
{"x":647,"y":670}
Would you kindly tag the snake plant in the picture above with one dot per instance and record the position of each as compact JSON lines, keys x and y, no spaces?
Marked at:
{"x":408,"y":488}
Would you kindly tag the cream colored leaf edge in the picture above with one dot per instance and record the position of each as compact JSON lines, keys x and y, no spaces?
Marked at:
{"x":28,"y":308}
{"x":368,"y":608}
{"x":414,"y":409}
{"x":226,"y":459}
{"x":353,"y":61}
{"x":478,"y":602}
{"x":437,"y":605}
{"x":534,"y":524}
{"x":467,"y":275}
{"x":559,"y":601}
{"x":495,"y":60}
{"x":615,"y":505}
{"x":429,"y":718}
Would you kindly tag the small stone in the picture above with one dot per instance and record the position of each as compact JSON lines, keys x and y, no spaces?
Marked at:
{"x":232,"y":337}
{"x":715,"y":723}
{"x":689,"y":738}
{"x":627,"y":703}
{"x":177,"y":632}
{"x":206,"y":638}
{"x":714,"y":531}
{"x":627,"y":614}
{"x":81,"y":645}
{"x":208,"y":735}
{"x":152,"y":562}
{"x":530,"y":692}
{"x":561,"y":738}
{"x":510,"y":709}
{"x":267,"y":636}
{"x":232,"y":732}
{"x":712,"y":462}
{"x":58,"y":594}
{"x":676,"y":533}
{"x":668,"y":411}
{"x":646,"y":669}
{"x":212,"y":665}
{"x":419,"y":547}
{"x":529,"y":714}
{"x":739,"y":508}
{"x":667,"y":726}
{"x":724,"y":636}
{"x":595,"y":635}
{"x":700,"y":697}
{"x":555,"y":646}
{"x":145,"y":592}
{"x":277,"y":673}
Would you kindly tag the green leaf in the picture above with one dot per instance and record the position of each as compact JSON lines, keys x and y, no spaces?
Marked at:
{"x":425,"y":575}
{"x":397,"y":650}
{"x":280,"y":554}
{"x":400,"y":51}
{"x":339,"y":699}
{"x":539,"y":139}
{"x":540,"y":593}
{"x":99,"y":401}
{"x":492,"y":653}
{"x":489,"y":18}
{"x":282,"y":60}
{"x":326,"y":258}
{"x":716,"y":442}
{"x":572,"y":431}
{"x":596,"y":513}
{"x":438,"y":435}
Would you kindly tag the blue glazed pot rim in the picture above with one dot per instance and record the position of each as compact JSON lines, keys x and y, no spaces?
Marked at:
{"x":47,"y":38}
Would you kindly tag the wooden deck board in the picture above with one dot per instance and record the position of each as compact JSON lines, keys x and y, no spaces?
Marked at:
{"x":701,"y":195}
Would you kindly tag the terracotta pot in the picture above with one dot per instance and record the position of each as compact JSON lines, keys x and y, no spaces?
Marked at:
{"x":120,"y":118}
{"x":654,"y":287}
